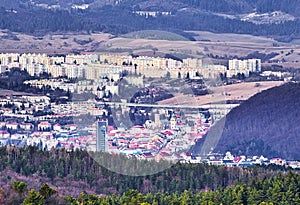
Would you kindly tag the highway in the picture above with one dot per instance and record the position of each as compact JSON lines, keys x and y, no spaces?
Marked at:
{"x":208,"y":106}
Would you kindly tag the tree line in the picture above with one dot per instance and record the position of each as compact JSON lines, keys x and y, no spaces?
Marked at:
{"x":60,"y":168}
{"x":268,"y":191}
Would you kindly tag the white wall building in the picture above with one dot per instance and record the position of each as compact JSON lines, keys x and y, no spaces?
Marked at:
{"x":7,"y":58}
{"x":82,"y":59}
{"x":236,"y":66}
{"x":192,"y":63}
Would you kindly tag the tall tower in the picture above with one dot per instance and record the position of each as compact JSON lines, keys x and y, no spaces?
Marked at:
{"x":101,"y":144}
{"x":173,"y":122}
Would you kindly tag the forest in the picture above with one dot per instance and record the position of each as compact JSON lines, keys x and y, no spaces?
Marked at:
{"x":266,"y":124}
{"x":275,"y":190}
{"x":245,"y":6}
{"x":73,"y":172}
{"x":224,"y":6}
{"x":121,"y":19}
{"x":33,"y":176}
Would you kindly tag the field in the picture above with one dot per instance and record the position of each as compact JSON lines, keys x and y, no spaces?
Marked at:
{"x":53,"y":43}
{"x":210,"y":46}
{"x":241,"y":91}
{"x":155,"y":35}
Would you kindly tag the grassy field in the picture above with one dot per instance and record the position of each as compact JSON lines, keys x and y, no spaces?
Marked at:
{"x":51,"y":43}
{"x":155,"y":35}
{"x":241,"y":91}
{"x":229,"y":37}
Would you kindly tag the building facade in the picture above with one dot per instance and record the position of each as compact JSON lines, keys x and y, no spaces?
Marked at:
{"x":246,"y":66}
{"x":101,"y":141}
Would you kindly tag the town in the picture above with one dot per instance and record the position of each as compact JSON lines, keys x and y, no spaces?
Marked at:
{"x":95,"y":110}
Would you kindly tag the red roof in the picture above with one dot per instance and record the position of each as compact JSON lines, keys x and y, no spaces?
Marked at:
{"x":167,"y":132}
{"x":237,"y":159}
{"x":110,"y":128}
{"x":44,"y":123}
{"x":163,"y":154}
{"x":12,"y":123}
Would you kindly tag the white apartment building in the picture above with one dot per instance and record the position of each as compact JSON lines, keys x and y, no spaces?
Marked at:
{"x":81,"y":59}
{"x":143,"y":61}
{"x":7,"y":58}
{"x":34,"y":63}
{"x":236,"y":66}
{"x":93,"y":67}
{"x":36,"y":69}
{"x":37,"y":99}
{"x":95,"y":71}
{"x":57,"y":70}
{"x":192,"y":63}
{"x":212,"y":71}
{"x":74,"y":71}
{"x":115,"y":59}
{"x":33,"y":58}
{"x":56,"y":60}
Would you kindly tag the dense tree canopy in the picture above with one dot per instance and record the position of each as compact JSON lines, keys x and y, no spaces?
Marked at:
{"x":120,"y":18}
{"x":268,"y":191}
{"x":79,"y":170}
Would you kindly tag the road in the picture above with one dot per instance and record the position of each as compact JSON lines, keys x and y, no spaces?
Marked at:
{"x":208,"y":106}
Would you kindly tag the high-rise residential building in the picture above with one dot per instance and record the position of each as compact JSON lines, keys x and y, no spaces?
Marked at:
{"x":246,"y":66}
{"x":81,"y":59}
{"x":192,"y":63}
{"x":101,"y":142}
{"x":173,"y":122}
{"x":253,"y":65}
{"x":7,"y":58}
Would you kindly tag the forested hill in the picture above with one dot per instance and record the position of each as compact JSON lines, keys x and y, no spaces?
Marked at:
{"x":266,"y":124}
{"x":119,"y":17}
{"x":269,"y":191}
{"x":223,"y":6}
{"x":70,"y":173}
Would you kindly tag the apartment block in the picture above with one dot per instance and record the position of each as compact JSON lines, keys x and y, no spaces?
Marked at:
{"x":246,"y":66}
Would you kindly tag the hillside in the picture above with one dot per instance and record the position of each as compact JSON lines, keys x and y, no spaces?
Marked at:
{"x":264,"y":18}
{"x":269,"y":191}
{"x":266,"y":124}
{"x":222,"y":6}
{"x":73,"y":172}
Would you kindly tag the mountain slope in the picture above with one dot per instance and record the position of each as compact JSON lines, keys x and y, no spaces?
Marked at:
{"x":123,"y":16}
{"x":223,"y":6}
{"x":266,"y":124}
